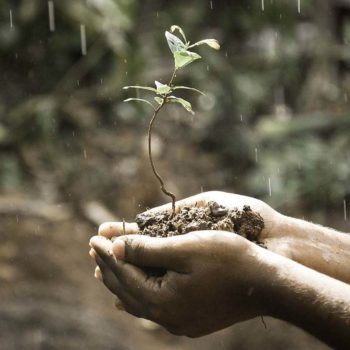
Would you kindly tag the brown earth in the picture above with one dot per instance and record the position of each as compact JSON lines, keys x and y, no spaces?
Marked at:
{"x":210,"y":217}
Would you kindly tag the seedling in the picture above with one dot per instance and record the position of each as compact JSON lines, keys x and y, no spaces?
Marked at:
{"x":164,"y":92}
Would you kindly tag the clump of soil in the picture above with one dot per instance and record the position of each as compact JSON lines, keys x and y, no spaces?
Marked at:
{"x":213,"y":216}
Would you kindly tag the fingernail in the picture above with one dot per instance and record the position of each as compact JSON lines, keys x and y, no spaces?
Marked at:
{"x":98,"y":274}
{"x":119,"y":249}
{"x":92,"y":253}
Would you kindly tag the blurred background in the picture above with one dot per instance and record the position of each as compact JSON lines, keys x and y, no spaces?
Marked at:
{"x":274,"y":124}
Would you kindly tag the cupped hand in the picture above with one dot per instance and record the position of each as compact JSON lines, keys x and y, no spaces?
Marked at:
{"x":213,"y":279}
{"x":272,"y":236}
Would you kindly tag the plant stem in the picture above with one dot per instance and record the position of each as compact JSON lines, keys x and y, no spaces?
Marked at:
{"x":150,"y":129}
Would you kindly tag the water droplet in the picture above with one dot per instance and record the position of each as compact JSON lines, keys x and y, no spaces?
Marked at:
{"x":256,"y":155}
{"x":262,"y":5}
{"x":299,"y":6}
{"x":11,"y":19}
{"x":83,"y":39}
{"x":270,"y":188}
{"x":51,"y":16}
{"x":211,"y":5}
{"x":345,"y":211}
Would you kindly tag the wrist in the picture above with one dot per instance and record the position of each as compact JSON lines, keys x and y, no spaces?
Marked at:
{"x":259,"y":279}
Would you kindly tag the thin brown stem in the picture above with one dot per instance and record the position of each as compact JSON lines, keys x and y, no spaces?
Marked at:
{"x":150,"y":129}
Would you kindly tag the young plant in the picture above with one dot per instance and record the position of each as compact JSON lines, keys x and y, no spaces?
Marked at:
{"x":164,"y":92}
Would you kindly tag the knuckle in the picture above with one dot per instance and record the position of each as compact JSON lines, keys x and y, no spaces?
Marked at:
{"x":134,"y":249}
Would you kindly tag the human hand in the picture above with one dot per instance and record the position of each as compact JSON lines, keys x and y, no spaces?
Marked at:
{"x":273,"y":221}
{"x":213,"y":279}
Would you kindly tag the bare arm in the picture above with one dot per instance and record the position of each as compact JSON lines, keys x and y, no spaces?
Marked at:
{"x":310,"y":300}
{"x":320,"y":248}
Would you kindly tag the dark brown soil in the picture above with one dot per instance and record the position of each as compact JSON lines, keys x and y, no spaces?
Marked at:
{"x":246,"y":222}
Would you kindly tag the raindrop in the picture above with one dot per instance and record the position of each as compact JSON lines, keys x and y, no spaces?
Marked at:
{"x":101,"y":80}
{"x":11,"y":19}
{"x":83,"y":39}
{"x":270,"y":189}
{"x":299,"y":6}
{"x":85,"y":154}
{"x":256,"y":155}
{"x":51,"y":16}
{"x":208,"y":68}
{"x":202,"y":190}
{"x":78,"y":82}
{"x":262,"y":5}
{"x":211,"y":5}
{"x":241,"y":118}
{"x":345,"y":211}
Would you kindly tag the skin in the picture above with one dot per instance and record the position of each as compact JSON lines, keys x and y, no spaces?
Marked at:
{"x":197,"y":296}
{"x":320,"y":248}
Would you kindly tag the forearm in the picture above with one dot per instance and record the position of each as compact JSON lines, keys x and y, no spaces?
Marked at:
{"x":320,"y":248}
{"x":315,"y":302}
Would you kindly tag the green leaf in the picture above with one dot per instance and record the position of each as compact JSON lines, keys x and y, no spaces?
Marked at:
{"x":140,"y":100}
{"x":183,"y":58}
{"x":159,"y":100}
{"x":213,"y":43}
{"x":175,"y":44}
{"x":175,"y":27}
{"x":140,"y":87}
{"x":188,"y":88}
{"x":162,"y":89}
{"x":185,"y":104}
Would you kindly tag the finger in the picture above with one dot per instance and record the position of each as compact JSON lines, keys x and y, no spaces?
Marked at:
{"x":131,"y":279}
{"x":98,"y":273}
{"x":112,"y":229}
{"x":105,"y":275}
{"x":143,"y":251}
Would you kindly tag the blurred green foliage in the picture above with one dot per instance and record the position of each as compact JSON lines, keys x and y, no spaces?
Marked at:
{"x":277,"y":91}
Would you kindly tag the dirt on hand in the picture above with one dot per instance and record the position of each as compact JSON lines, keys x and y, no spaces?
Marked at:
{"x":213,"y":216}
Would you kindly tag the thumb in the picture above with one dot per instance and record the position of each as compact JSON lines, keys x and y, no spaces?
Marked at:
{"x":144,"y":251}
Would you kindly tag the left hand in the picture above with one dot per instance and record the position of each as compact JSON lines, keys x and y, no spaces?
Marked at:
{"x":213,"y":279}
